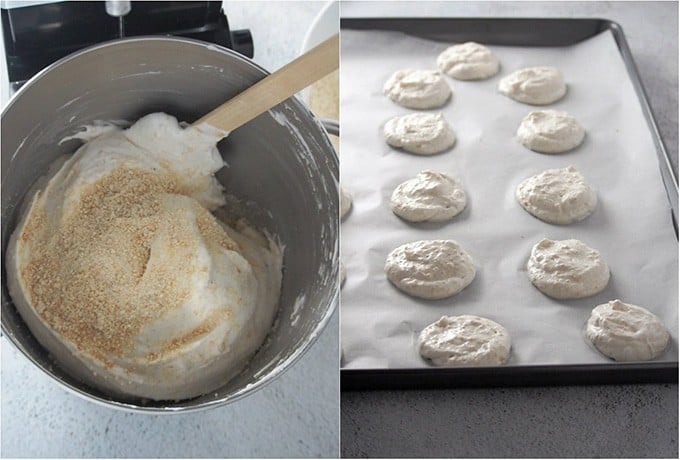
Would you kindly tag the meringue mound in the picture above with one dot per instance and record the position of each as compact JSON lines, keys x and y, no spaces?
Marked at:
{"x":124,"y":275}
{"x":557,"y":196}
{"x":345,"y":202}
{"x":429,"y":197}
{"x":430,"y":269}
{"x":468,"y":61}
{"x":567,"y":269}
{"x":465,"y":340}
{"x":417,"y":89}
{"x":420,"y":133}
{"x":550,"y":131}
{"x":534,"y":85}
{"x":626,"y":332}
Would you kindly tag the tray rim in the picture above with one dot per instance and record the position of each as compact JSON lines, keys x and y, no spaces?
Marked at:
{"x":543,"y":374}
{"x":530,"y":375}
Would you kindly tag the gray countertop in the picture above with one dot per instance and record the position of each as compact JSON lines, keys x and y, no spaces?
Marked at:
{"x":297,"y":415}
{"x":625,"y":421}
{"x":579,"y":421}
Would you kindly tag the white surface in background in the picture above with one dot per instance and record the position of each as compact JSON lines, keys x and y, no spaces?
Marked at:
{"x":21,"y":3}
{"x":297,"y":415}
{"x":631,"y":225}
{"x":324,"y":26}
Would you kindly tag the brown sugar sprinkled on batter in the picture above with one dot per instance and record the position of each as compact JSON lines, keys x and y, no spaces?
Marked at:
{"x":96,"y":280}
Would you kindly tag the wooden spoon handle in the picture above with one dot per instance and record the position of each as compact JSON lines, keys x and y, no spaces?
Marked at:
{"x":275,"y":88}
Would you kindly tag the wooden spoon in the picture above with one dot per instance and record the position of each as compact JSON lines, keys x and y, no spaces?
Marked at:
{"x":275,"y":88}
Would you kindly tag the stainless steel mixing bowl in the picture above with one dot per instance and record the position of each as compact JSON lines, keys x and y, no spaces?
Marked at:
{"x":281,"y":162}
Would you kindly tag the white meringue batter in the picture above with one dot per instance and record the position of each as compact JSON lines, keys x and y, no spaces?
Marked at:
{"x":430,"y":269}
{"x":468,"y":61}
{"x":567,"y":269}
{"x":420,"y":133}
{"x":550,"y":131}
{"x":534,"y":85}
{"x":430,"y":196}
{"x":626,"y":332}
{"x":343,"y":273}
{"x":417,"y":89}
{"x":345,"y":202}
{"x":465,"y":340}
{"x":557,"y":196}
{"x":122,"y":272}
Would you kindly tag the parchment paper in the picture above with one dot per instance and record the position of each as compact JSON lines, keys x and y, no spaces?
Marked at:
{"x":631,"y":226}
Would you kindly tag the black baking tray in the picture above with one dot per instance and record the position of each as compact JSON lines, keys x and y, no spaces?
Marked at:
{"x":522,"y":32}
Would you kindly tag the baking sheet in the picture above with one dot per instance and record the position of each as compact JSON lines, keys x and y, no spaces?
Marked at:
{"x":631,"y":226}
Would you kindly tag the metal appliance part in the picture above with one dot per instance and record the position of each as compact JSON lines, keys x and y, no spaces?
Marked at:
{"x":37,"y":35}
{"x":118,"y":9}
